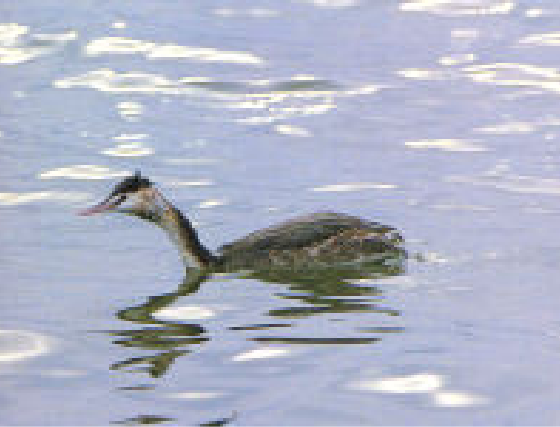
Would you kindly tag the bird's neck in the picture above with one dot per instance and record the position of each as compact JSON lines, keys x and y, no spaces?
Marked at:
{"x":184,"y":236}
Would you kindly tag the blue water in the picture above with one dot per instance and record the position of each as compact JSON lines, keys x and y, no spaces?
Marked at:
{"x":437,"y":117}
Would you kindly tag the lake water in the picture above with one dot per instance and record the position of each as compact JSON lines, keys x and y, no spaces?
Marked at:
{"x":438,"y":117}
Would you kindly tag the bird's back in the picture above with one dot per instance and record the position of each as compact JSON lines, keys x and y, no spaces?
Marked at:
{"x":324,"y":237}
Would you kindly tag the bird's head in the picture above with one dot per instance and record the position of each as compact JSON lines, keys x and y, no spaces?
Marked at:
{"x":134,"y":195}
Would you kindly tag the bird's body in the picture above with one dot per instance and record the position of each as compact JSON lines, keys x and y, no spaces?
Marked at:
{"x":312,"y":241}
{"x":315,"y":240}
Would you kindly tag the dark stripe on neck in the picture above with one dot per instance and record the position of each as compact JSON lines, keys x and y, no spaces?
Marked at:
{"x":190,"y":237}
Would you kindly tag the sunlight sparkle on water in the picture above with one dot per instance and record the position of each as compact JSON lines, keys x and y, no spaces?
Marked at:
{"x":11,"y":199}
{"x":544,"y":39}
{"x":292,"y":130}
{"x":262,"y":353}
{"x":334,"y":3}
{"x":457,"y":399}
{"x":534,"y":13}
{"x":457,"y":59}
{"x":128,"y":150}
{"x":131,"y":136}
{"x":198,"y":183}
{"x":423,"y":74}
{"x":83,"y":172}
{"x":106,"y":80}
{"x":511,"y":74}
{"x":509,"y":127}
{"x":16,"y":345}
{"x":195,"y":395}
{"x":446,"y":145}
{"x":462,"y":207}
{"x":184,"y":313}
{"x":9,"y":33}
{"x":416,"y":383}
{"x":421,"y":384}
{"x":459,"y":7}
{"x":212,"y":203}
{"x":17,"y":45}
{"x":356,"y":186}
{"x":254,"y":12}
{"x":130,"y":109}
{"x":119,"y":24}
{"x":151,"y":50}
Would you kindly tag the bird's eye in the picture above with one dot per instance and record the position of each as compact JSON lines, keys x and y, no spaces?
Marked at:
{"x":121,"y":198}
{"x":115,"y":199}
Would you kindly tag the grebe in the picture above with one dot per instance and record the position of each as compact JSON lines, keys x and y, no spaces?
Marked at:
{"x":319,"y":240}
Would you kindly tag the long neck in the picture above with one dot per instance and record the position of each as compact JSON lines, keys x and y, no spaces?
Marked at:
{"x":182,"y":233}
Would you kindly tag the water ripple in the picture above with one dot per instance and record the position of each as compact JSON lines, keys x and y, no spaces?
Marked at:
{"x":512,"y":183}
{"x":300,"y":95}
{"x":512,"y":74}
{"x":544,"y":39}
{"x":107,"y":80}
{"x":110,"y":81}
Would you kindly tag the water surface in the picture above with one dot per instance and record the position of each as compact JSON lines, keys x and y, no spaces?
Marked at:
{"x":438,"y":117}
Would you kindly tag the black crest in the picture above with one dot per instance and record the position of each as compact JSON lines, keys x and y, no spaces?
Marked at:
{"x":132,"y":184}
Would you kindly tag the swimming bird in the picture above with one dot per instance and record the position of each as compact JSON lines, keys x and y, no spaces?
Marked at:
{"x":313,"y":241}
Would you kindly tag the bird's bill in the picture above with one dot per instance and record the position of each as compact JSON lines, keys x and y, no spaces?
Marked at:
{"x":99,"y":208}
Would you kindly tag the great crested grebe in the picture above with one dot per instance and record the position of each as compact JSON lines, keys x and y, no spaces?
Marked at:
{"x":312,"y":241}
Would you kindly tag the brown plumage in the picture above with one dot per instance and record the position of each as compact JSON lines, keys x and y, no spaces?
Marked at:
{"x":318,"y":239}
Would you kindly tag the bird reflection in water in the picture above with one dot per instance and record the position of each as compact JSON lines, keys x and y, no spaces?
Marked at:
{"x":330,"y":291}
{"x":319,"y":293}
{"x":170,"y":339}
